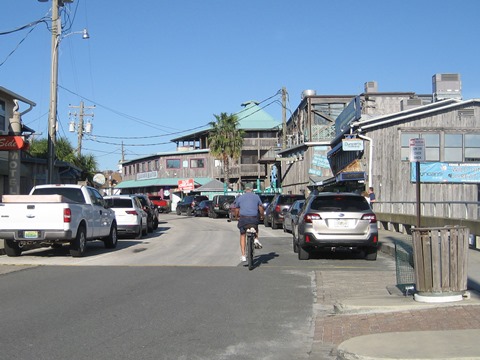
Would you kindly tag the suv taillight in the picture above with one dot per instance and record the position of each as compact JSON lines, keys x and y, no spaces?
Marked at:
{"x":371,"y":217}
{"x":67,"y":215}
{"x":278,"y":209}
{"x":308,"y":218}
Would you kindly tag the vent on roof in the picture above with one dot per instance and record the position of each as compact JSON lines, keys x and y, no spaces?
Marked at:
{"x":306,"y":93}
{"x":371,"y":87}
{"x":446,"y":86}
{"x":466,"y":113}
{"x":407,"y":104}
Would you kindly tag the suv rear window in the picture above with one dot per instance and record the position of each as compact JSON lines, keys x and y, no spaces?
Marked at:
{"x":121,"y":203}
{"x":340,"y":203}
{"x":224,"y":198}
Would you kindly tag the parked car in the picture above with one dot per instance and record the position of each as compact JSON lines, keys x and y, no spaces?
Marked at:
{"x":151,"y":210}
{"x":188,"y":203}
{"x":203,"y":207}
{"x":290,"y":216}
{"x":131,"y":218}
{"x":266,"y":199}
{"x":276,"y":210}
{"x":163,"y":206}
{"x":220,"y":205}
{"x":336,"y":220}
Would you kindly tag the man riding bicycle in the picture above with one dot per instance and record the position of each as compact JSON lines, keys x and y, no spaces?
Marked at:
{"x":248,"y":210}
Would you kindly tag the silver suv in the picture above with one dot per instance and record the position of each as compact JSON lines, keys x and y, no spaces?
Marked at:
{"x":336,"y":220}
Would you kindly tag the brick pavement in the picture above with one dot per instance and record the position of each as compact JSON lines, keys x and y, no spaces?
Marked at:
{"x":332,"y":328}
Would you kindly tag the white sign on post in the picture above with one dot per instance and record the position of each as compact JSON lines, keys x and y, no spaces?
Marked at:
{"x":417,"y":150}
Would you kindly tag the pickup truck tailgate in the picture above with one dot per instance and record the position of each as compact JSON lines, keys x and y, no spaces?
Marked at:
{"x":32,"y":216}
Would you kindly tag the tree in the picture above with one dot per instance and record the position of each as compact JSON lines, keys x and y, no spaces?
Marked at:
{"x":65,"y":152}
{"x":225,"y":140}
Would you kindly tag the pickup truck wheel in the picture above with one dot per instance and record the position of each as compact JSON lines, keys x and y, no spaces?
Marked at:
{"x":79,"y":245}
{"x":12,"y":248}
{"x":112,"y":239}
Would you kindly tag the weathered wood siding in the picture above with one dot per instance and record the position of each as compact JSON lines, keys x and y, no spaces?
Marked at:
{"x":391,"y":175}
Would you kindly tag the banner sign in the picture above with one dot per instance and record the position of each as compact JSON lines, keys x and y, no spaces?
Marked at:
{"x":441,"y":172}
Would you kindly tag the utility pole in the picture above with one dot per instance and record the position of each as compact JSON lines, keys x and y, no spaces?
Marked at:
{"x":284,"y":118}
{"x":52,"y":114}
{"x":81,"y":128}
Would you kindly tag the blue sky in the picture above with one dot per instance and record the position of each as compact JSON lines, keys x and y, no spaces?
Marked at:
{"x":157,"y":68}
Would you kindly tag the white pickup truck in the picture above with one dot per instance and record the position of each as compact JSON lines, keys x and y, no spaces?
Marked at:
{"x":53,"y":215}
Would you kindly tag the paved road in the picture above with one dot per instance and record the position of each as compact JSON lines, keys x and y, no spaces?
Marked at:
{"x":180,"y":293}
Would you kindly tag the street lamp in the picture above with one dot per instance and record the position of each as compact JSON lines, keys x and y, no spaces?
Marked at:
{"x":52,"y":114}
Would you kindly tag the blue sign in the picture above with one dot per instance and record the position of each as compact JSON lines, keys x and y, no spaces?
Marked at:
{"x":440,"y":172}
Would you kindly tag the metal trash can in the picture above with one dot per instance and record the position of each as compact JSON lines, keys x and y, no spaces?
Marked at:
{"x":440,"y":259}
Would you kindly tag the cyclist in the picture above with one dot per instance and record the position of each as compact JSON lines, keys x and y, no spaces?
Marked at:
{"x":248,"y":211}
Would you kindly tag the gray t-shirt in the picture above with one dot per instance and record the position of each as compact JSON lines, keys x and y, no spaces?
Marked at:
{"x":248,"y":204}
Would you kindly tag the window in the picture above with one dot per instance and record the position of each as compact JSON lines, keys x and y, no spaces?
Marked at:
{"x":453,"y":148}
{"x":456,"y":147}
{"x":157,"y":167}
{"x":173,"y":163}
{"x":472,"y":147}
{"x":197,"y":163}
{"x":2,"y":116}
{"x":432,"y":145}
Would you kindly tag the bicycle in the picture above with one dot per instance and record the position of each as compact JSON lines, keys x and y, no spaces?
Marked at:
{"x":250,"y":246}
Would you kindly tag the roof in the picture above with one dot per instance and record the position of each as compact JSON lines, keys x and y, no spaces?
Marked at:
{"x":253,"y":117}
{"x":173,"y":182}
{"x":167,"y":153}
{"x":405,"y":115}
{"x":214,"y":185}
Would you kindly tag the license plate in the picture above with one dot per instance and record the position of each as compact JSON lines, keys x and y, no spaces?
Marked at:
{"x":30,"y":234}
{"x":341,"y":223}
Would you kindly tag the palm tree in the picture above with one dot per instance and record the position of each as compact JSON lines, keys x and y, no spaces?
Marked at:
{"x":225,"y":140}
{"x":65,"y":152}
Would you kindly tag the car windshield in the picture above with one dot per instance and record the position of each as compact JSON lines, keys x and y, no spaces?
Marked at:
{"x":339,"y":203}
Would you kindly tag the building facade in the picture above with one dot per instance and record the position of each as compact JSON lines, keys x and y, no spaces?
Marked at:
{"x":164,"y":173}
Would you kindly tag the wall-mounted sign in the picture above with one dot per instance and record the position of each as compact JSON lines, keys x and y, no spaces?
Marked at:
{"x":8,"y":143}
{"x":440,"y":172}
{"x":186,"y":185}
{"x":352,"y":145}
{"x":147,"y":175}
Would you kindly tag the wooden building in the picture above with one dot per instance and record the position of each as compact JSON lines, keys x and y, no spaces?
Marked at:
{"x":192,"y":159}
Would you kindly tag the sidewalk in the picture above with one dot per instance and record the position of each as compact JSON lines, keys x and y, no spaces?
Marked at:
{"x":373,"y":319}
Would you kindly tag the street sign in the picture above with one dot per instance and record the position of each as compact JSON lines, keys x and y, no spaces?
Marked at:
{"x":417,"y":150}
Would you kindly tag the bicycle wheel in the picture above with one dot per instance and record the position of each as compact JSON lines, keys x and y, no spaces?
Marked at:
{"x":250,"y":248}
